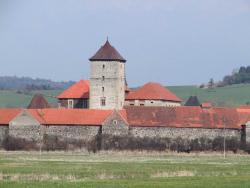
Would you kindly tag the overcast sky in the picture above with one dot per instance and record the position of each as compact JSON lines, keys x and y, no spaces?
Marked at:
{"x":174,"y":42}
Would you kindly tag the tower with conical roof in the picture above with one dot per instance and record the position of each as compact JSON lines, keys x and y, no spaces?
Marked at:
{"x":107,"y":79}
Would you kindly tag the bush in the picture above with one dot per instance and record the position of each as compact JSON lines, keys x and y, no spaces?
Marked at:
{"x":179,"y":144}
{"x":12,"y":144}
{"x":53,"y":143}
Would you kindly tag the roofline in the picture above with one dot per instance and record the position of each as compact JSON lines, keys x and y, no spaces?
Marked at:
{"x":154,"y":99}
{"x":90,"y":125}
{"x":120,"y":60}
{"x":73,"y":98}
{"x":176,"y":127}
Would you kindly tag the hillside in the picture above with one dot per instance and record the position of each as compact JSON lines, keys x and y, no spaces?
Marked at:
{"x":27,"y":83}
{"x":233,"y":95}
{"x":222,"y":96}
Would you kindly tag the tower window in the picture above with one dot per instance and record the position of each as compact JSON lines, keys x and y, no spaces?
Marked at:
{"x":103,"y":78}
{"x":103,"y":101}
{"x":102,"y":89}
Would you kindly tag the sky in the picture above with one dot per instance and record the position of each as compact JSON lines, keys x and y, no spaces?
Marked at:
{"x":173,"y":42}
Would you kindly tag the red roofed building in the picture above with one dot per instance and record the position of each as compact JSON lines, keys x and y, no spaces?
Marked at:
{"x":152,"y":94}
{"x":7,"y":114}
{"x":183,"y":117}
{"x":38,"y":101}
{"x":77,"y":96}
{"x":70,"y":116}
{"x":107,"y":88}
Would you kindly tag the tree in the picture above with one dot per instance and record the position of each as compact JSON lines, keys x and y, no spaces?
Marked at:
{"x":248,"y":69}
{"x":242,"y":70}
{"x":211,"y":83}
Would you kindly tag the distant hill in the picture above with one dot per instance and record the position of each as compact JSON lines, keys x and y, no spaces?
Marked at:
{"x":27,"y":83}
{"x":233,"y":95}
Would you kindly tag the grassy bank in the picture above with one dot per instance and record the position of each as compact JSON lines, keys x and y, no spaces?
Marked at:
{"x":123,"y":170}
{"x":234,"y":95}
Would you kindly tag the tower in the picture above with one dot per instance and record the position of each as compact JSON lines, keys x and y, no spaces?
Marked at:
{"x":107,"y":79}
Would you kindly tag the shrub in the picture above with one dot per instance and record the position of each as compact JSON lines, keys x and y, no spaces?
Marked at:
{"x":12,"y":144}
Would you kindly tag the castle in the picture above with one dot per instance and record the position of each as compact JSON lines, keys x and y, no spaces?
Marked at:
{"x":104,"y":111}
{"x":107,"y":87}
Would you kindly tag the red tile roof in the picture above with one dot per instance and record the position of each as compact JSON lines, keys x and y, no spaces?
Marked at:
{"x":206,"y":105}
{"x":70,"y":116}
{"x":152,"y":91}
{"x":107,"y":53}
{"x":183,"y":117}
{"x":79,"y":90}
{"x":38,"y":101}
{"x":244,"y":114}
{"x":6,"y":115}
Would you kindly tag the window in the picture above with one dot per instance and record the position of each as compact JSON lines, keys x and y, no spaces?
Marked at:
{"x":70,"y":103}
{"x":102,"y":89}
{"x":103,"y":66}
{"x":85,"y":103}
{"x":141,"y":104}
{"x":103,"y":78}
{"x":103,"y":101}
{"x":115,"y":122}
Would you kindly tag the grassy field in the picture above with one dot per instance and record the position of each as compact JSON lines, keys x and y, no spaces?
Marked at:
{"x":226,"y":96}
{"x":10,"y":98}
{"x":112,"y":170}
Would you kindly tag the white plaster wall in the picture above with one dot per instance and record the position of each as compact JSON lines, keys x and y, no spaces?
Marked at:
{"x":152,"y":103}
{"x":25,"y":126}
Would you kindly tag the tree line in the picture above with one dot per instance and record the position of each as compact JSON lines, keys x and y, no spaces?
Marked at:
{"x":27,"y":83}
{"x":240,"y":76}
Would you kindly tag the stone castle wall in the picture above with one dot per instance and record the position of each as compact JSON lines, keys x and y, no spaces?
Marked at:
{"x":113,"y":126}
{"x":76,"y":132}
{"x":185,"y":133}
{"x":107,"y":80}
{"x":3,"y":134}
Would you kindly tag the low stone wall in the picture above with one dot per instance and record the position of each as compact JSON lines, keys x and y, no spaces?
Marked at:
{"x":68,"y":137}
{"x":3,"y":134}
{"x":71,"y":132}
{"x":29,"y":133}
{"x":185,"y":133}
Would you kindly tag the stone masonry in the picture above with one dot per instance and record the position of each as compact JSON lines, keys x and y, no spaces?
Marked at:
{"x":107,"y":81}
{"x":3,"y":134}
{"x":185,"y":133}
{"x":26,"y":127}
